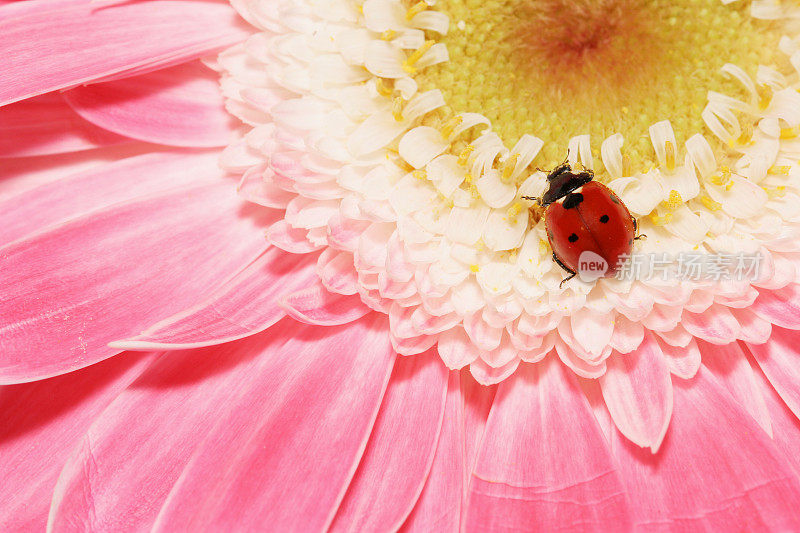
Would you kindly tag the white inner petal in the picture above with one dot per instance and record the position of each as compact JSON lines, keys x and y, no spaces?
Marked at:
{"x":425,"y":206}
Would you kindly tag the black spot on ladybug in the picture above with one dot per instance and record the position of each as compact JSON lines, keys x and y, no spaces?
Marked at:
{"x":604,"y":219}
{"x":573,"y":200}
{"x":573,"y":238}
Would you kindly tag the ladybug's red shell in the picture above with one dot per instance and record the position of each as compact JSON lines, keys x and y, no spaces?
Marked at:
{"x":596,"y":220}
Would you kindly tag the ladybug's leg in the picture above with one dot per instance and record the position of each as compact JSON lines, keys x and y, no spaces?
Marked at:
{"x":636,"y":230}
{"x":565,"y":267}
{"x":536,"y":199}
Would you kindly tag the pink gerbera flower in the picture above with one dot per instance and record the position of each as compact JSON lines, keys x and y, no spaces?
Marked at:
{"x":275,"y":266}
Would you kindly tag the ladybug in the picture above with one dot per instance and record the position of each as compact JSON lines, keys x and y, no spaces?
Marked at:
{"x":582,"y":215}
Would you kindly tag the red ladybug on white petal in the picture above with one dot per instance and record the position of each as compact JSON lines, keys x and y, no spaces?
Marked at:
{"x":582,"y":215}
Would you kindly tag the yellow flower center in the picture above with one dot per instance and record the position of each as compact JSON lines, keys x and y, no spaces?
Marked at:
{"x":560,"y":68}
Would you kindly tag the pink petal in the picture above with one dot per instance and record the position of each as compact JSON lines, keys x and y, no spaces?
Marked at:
{"x":234,"y":405}
{"x":293,"y":240}
{"x":780,"y":307}
{"x":336,"y":272}
{"x":21,"y":174}
{"x":50,"y":45}
{"x":400,"y":450}
{"x":478,"y":400}
{"x":482,"y":334}
{"x":439,"y":505}
{"x":456,"y":349}
{"x":46,"y":125}
{"x":39,"y":425}
{"x":591,"y":389}
{"x":487,"y":375}
{"x":343,"y":233}
{"x":80,"y":194}
{"x":730,"y":366}
{"x":316,"y":418}
{"x":578,"y":364}
{"x":544,"y":464}
{"x":501,"y":356}
{"x":405,"y":339}
{"x":257,"y":188}
{"x":591,"y":330}
{"x":317,"y":305}
{"x":638,"y":393}
{"x":717,"y":470}
{"x":636,"y":304}
{"x":716,"y":325}
{"x":113,"y":272}
{"x":628,"y":335}
{"x":752,"y":327}
{"x":431,"y":324}
{"x":676,"y":337}
{"x":784,"y":425}
{"x":663,"y":317}
{"x":682,"y":361}
{"x":244,"y":306}
{"x":414,"y":345}
{"x":178,"y":106}
{"x":780,"y":361}
{"x":133,"y":454}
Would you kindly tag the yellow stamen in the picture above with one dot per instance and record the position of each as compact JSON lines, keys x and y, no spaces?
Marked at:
{"x":626,"y":165}
{"x":717,"y":180}
{"x":514,"y":210}
{"x":723,"y":178}
{"x":397,"y":109}
{"x":670,"y":149}
{"x":765,"y":97}
{"x":388,"y":35}
{"x":661,"y":220}
{"x":416,"y":9}
{"x":788,"y":133}
{"x":464,"y":156}
{"x":473,"y":189}
{"x":782,"y":169}
{"x":543,"y":249}
{"x":420,"y":174}
{"x":475,"y":268}
{"x":509,"y":165}
{"x":451,"y":125}
{"x":710,"y":204}
{"x":777,"y":192}
{"x":747,"y":135}
{"x":382,"y":88}
{"x":674,"y":201}
{"x":408,"y":64}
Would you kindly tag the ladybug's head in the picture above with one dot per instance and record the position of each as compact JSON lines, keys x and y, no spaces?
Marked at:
{"x":562,"y":181}
{"x":560,"y":169}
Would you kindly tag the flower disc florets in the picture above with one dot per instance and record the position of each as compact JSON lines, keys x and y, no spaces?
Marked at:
{"x":399,"y":139}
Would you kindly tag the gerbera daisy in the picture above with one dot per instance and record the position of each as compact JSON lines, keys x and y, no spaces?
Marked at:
{"x":402,"y":350}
